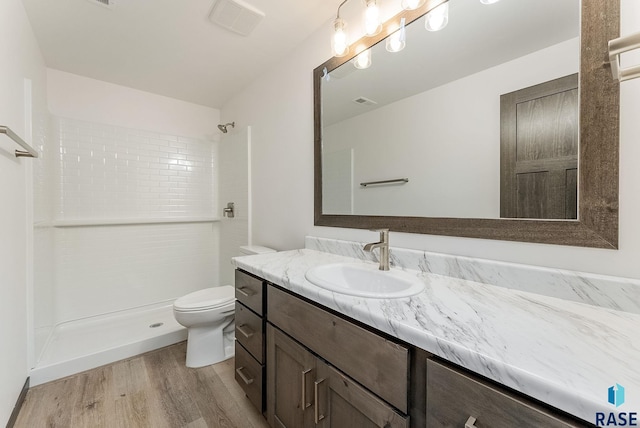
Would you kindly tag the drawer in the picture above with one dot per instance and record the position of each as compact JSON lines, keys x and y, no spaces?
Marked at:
{"x":249,"y":290}
{"x":250,"y":374}
{"x":345,"y":345}
{"x":454,"y":396}
{"x":249,"y":331}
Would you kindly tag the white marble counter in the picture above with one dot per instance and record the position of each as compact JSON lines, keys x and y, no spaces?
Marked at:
{"x":564,"y":353}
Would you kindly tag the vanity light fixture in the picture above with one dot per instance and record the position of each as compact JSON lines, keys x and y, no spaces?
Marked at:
{"x":397,"y":41}
{"x":412,"y":4}
{"x":372,"y":24}
{"x":437,"y":18}
{"x":363,"y":60}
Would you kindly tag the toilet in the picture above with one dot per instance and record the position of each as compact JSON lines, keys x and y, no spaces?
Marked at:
{"x":208,"y":315}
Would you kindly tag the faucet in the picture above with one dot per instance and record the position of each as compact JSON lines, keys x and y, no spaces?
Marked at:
{"x":384,"y":248}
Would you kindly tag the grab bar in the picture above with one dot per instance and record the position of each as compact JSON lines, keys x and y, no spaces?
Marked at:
{"x":397,"y":180}
{"x":30,"y":151}
{"x":619,"y":46}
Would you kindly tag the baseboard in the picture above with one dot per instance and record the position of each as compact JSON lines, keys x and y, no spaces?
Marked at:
{"x":18,"y":406}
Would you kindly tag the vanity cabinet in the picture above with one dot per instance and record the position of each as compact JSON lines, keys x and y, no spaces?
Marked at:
{"x":459,"y":399}
{"x":250,"y":336}
{"x":325,"y":371}
{"x":304,"y":365}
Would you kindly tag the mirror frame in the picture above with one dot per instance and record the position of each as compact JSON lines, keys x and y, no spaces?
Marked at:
{"x":597,"y":224}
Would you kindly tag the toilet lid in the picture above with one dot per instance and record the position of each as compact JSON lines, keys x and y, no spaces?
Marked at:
{"x":207,"y":298}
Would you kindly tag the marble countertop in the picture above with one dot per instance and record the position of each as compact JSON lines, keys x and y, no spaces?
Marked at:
{"x":564,"y":353}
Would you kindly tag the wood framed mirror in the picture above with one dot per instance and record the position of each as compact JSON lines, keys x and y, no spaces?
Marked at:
{"x":597,"y":177}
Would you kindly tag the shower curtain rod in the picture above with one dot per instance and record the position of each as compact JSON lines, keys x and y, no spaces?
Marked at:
{"x":30,"y":151}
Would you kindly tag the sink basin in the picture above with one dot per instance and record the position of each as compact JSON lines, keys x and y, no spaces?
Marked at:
{"x":365,"y":280}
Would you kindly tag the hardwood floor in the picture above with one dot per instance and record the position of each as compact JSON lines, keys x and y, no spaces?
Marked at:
{"x":150,"y":390}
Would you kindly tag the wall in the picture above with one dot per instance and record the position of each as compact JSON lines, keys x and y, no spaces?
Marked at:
{"x":452,"y":134}
{"x":135,"y":198}
{"x":282,"y":171}
{"x":233,"y":149}
{"x":22,"y":60}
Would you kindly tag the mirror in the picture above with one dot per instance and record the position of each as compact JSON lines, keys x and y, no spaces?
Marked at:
{"x":454,"y":188}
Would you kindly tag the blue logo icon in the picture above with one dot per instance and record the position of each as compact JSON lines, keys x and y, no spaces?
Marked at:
{"x":616,"y":395}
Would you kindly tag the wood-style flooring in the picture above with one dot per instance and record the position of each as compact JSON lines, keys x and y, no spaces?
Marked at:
{"x":151,"y":390}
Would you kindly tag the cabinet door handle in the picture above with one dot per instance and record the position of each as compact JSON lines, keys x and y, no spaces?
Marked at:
{"x":316,"y":387}
{"x":244,"y":377}
{"x":242,"y":290}
{"x":245,"y":330}
{"x":305,"y":404}
{"x":471,"y":422}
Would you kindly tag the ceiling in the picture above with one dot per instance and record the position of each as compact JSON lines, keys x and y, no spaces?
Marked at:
{"x":169,"y":47}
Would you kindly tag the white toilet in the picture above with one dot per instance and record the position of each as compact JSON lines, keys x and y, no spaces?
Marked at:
{"x":209,"y":315}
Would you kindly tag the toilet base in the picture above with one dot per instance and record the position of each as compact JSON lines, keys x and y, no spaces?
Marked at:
{"x":206,"y":346}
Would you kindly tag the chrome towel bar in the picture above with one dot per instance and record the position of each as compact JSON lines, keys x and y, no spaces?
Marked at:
{"x":30,"y":151}
{"x":397,"y":180}
{"x":619,"y":46}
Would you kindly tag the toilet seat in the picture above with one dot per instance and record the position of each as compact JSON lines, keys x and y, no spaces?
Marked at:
{"x":209,"y":298}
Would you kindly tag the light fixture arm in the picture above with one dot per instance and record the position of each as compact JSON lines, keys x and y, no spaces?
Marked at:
{"x":341,"y":4}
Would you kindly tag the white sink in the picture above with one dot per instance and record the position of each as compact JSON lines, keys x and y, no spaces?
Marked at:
{"x":365,"y":280}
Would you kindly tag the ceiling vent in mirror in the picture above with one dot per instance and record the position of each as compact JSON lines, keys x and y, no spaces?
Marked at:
{"x":364,"y":101}
{"x":104,"y":3}
{"x":236,"y":16}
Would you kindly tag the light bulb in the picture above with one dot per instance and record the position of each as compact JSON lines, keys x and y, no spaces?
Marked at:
{"x":339,"y":44}
{"x":363,"y":60}
{"x":372,"y":24}
{"x":396,"y":41}
{"x":437,"y":18}
{"x":489,"y":1}
{"x":412,"y":4}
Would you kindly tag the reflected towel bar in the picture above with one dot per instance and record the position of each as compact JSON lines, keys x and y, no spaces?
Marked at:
{"x":30,"y":151}
{"x":619,"y":46}
{"x":397,"y":180}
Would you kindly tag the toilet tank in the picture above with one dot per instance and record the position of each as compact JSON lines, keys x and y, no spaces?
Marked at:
{"x":247,"y":250}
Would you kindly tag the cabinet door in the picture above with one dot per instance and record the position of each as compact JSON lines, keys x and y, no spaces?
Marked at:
{"x":456,"y":399}
{"x":340,"y":402}
{"x":290,"y":380}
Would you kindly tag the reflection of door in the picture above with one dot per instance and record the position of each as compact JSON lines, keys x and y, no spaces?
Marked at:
{"x":539,"y":151}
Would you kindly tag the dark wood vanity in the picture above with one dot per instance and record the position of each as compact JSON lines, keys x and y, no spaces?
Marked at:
{"x":304,"y":365}
{"x":250,"y":340}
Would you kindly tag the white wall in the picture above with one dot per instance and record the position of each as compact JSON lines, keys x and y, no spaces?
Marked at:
{"x":91,"y":100}
{"x":21,"y":59}
{"x":451,"y":135}
{"x":280,"y":108}
{"x":233,"y":176}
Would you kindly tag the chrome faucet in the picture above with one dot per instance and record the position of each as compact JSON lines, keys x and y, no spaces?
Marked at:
{"x":384,"y":248}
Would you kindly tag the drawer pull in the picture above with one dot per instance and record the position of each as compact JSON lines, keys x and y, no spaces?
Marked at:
{"x":244,"y":292}
{"x":246,"y":331}
{"x":244,"y":377}
{"x":471,"y":422}
{"x":318,"y":416}
{"x":305,"y":404}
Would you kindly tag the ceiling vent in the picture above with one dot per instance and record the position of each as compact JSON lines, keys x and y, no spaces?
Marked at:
{"x":236,"y":16}
{"x":364,"y":101}
{"x":104,"y":3}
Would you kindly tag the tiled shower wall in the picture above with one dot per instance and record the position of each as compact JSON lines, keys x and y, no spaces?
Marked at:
{"x":111,"y":172}
{"x":103,"y":174}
